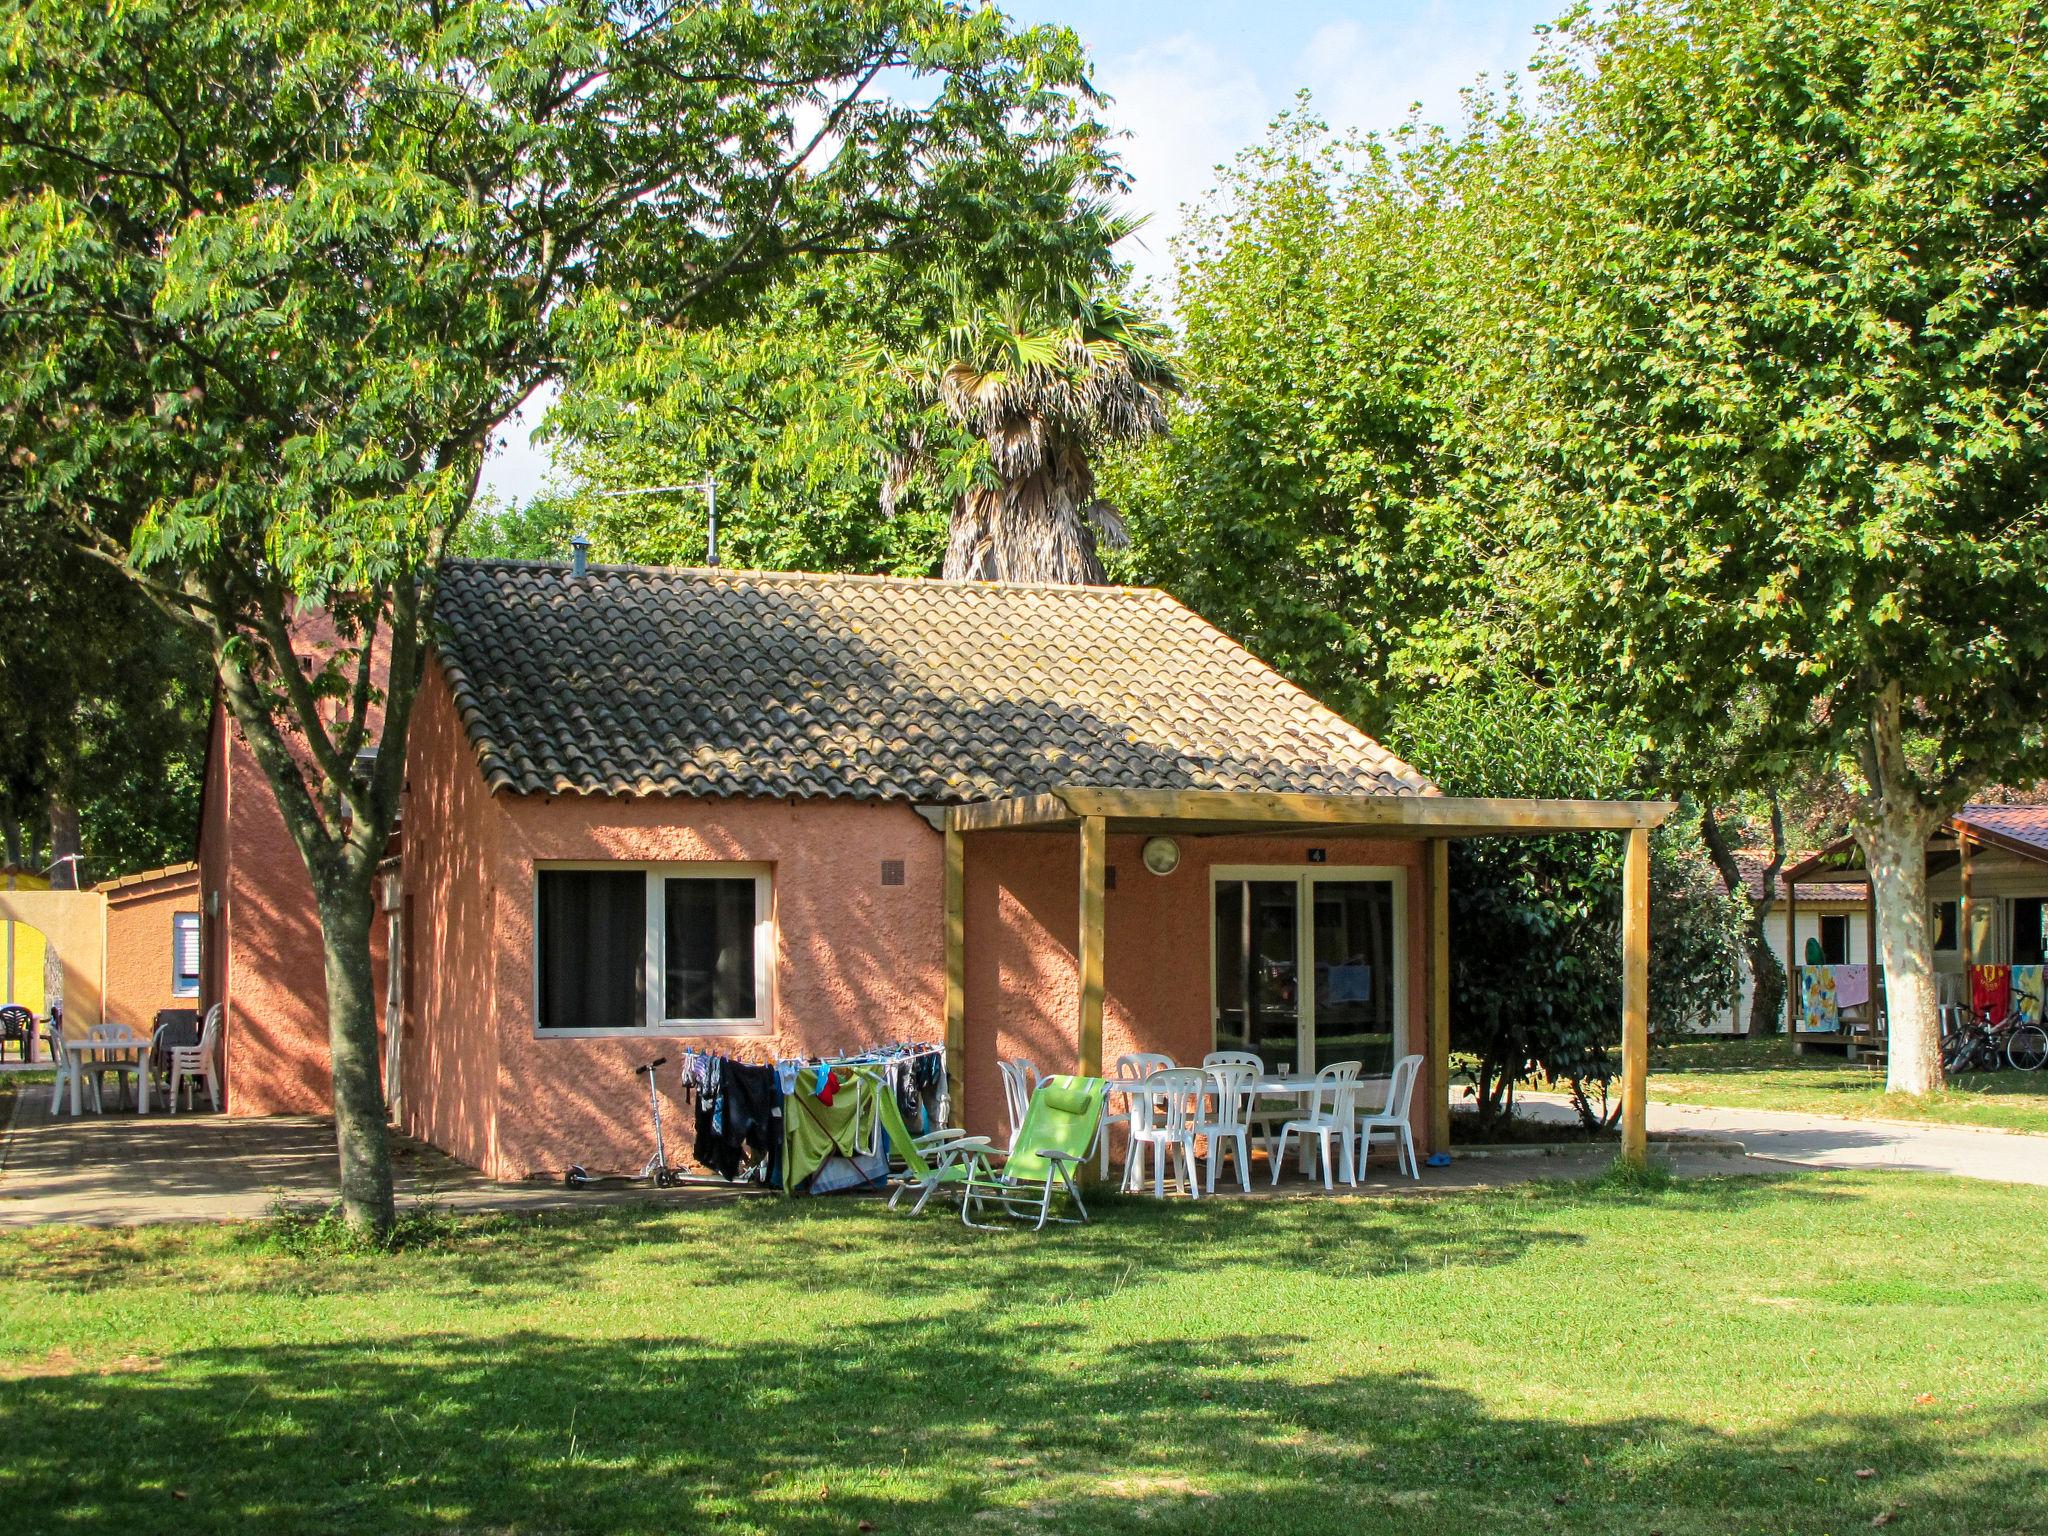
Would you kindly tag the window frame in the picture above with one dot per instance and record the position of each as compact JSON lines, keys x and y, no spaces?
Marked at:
{"x":1848,"y":932}
{"x":1305,"y":878}
{"x":654,"y":978}
{"x":1952,"y":909}
{"x":180,"y":922}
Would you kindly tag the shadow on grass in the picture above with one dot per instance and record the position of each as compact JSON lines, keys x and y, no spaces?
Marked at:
{"x":833,"y":1243}
{"x":956,"y":1421}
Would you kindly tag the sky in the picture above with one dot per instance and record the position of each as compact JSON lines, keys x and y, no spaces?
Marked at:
{"x":1193,"y":82}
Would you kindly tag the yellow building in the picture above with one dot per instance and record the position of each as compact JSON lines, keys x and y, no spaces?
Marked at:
{"x":22,"y":948}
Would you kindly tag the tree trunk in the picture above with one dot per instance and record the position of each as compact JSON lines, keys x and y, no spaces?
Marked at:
{"x":63,"y":844}
{"x":1892,"y":830}
{"x":1896,"y":850}
{"x":347,"y":914}
{"x":1766,"y":974}
{"x":1034,"y":529}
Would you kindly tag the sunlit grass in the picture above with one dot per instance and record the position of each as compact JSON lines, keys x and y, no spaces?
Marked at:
{"x":1767,"y":1074}
{"x":1713,"y":1356}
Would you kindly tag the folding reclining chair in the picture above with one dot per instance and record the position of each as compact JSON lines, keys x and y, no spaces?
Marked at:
{"x":1057,"y":1136}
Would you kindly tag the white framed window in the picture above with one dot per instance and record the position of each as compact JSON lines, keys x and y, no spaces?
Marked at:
{"x":184,"y":954}
{"x":679,"y":949}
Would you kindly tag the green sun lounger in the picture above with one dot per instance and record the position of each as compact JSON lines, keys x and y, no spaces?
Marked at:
{"x":930,"y":1163}
{"x":1057,"y":1136}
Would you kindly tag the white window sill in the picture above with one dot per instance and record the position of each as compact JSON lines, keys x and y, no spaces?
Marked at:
{"x":724,"y":1029}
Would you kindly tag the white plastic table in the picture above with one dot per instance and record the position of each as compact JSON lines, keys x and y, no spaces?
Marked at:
{"x":79,"y":1055}
{"x":1300,"y":1085}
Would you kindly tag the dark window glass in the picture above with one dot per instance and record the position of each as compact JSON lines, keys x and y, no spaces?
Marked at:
{"x":709,"y":952}
{"x":593,"y":946}
{"x":1944,"y":925}
{"x":1834,"y":940}
{"x":1354,"y":955}
{"x":2028,"y":947}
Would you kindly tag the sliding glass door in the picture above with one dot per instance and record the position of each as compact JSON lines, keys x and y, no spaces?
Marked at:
{"x":1340,"y":931}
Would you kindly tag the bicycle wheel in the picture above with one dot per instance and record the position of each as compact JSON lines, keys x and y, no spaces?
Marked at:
{"x":2027,"y":1049}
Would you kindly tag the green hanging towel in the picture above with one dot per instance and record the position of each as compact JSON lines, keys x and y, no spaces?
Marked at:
{"x":820,"y":1141}
{"x":1815,"y":955}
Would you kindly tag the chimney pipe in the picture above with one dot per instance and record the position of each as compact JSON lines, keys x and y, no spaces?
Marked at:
{"x":579,"y":554}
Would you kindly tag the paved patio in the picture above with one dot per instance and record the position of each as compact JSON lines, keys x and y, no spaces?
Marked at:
{"x":123,"y":1169}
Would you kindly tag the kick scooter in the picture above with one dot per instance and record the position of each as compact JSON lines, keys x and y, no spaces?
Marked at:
{"x":657,"y":1171}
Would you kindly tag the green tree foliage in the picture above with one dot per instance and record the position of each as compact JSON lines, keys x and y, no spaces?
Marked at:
{"x":102,"y":713}
{"x":1536,"y":922}
{"x":1303,"y":502}
{"x":273,"y":275}
{"x":786,"y":408}
{"x":1763,"y":372}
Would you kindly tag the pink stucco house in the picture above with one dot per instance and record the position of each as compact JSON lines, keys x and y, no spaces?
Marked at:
{"x":774,"y":815}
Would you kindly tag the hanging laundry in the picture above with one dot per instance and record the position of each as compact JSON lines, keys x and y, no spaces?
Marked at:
{"x":1818,"y":1011}
{"x":1852,"y":986}
{"x":2027,"y":993}
{"x":741,"y":1129}
{"x":1991,"y":991}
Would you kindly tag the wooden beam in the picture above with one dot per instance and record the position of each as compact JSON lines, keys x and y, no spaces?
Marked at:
{"x":1088,"y":955}
{"x":1005,"y":815}
{"x":1446,"y":815}
{"x":956,"y":975}
{"x":1966,"y":933}
{"x":1635,"y":997}
{"x":1439,"y":1045}
{"x":1791,"y":958}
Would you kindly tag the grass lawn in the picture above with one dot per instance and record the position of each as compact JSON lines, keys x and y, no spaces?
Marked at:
{"x":1721,"y":1356}
{"x":1766,"y":1074}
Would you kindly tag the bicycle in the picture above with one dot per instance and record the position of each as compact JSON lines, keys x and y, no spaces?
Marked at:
{"x":1982,"y":1044}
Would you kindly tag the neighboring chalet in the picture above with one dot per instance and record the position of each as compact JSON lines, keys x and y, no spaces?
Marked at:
{"x":1832,"y":914}
{"x":1987,"y":892}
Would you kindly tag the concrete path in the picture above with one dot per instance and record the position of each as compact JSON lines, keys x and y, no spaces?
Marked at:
{"x":1834,"y":1141}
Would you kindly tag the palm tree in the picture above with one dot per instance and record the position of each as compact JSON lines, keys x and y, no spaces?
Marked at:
{"x":1042,"y":384}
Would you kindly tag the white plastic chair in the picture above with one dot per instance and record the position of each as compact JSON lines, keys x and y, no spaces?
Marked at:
{"x":1333,"y":1111}
{"x":60,"y":1057}
{"x":1224,"y":1124}
{"x":192,"y":1063}
{"x":156,"y":1063}
{"x":1020,"y":1077}
{"x":1130,"y":1066}
{"x":122,"y":1071}
{"x":1262,"y":1116}
{"x":1392,"y":1121}
{"x":1163,"y":1120}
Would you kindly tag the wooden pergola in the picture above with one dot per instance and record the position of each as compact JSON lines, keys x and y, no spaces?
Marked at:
{"x":1094,"y":813}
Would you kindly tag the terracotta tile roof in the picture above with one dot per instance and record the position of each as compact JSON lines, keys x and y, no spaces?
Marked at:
{"x":635,"y":680}
{"x":185,"y":871}
{"x":2025,"y":824}
{"x":1754,"y":861}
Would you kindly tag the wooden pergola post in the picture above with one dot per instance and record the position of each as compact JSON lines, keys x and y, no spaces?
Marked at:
{"x":1966,"y":932}
{"x":1439,"y":1042}
{"x":1635,"y":997}
{"x":1791,"y":957}
{"x":956,"y":974}
{"x":1094,"y":877}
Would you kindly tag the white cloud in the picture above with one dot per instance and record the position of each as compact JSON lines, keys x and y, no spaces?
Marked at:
{"x":1370,"y":78}
{"x":1187,"y":109}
